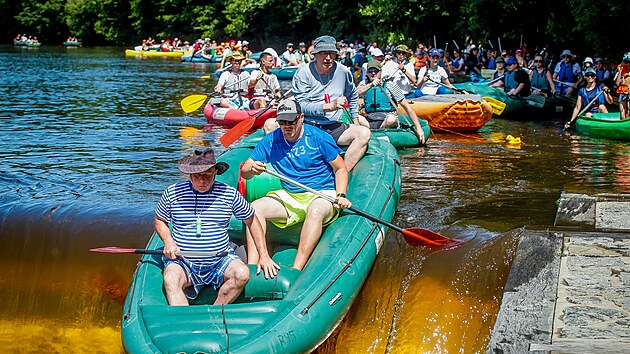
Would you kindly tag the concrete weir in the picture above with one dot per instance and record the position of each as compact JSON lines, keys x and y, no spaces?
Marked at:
{"x":569,"y":286}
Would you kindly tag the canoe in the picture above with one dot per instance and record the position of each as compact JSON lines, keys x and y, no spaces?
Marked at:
{"x":199,"y":59}
{"x":33,"y":45}
{"x":71,"y":44}
{"x":291,"y":313}
{"x":20,"y":43}
{"x":229,"y":117}
{"x":152,"y":53}
{"x":533,"y":107}
{"x":604,"y":125}
{"x":452,"y":112}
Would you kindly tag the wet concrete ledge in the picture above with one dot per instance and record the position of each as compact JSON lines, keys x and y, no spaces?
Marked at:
{"x":569,"y":287}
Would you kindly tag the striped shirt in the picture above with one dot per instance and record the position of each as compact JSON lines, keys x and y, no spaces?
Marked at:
{"x":181,"y":205}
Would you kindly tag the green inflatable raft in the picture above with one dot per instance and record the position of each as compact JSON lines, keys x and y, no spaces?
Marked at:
{"x":292,"y":313}
{"x":604,"y":125}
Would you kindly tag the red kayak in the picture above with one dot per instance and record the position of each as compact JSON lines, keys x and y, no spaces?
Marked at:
{"x":229,"y":117}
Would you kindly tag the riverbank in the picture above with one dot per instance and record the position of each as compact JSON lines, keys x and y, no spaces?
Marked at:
{"x":569,"y":287}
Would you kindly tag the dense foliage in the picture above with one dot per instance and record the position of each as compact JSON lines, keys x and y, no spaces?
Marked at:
{"x":585,"y":26}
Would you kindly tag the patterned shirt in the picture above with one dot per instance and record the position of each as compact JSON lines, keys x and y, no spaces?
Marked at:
{"x":182,"y":206}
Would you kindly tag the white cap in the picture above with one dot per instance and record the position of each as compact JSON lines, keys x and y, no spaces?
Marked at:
{"x":377,"y":52}
{"x":245,"y":43}
{"x":271,"y":51}
{"x":239,"y":43}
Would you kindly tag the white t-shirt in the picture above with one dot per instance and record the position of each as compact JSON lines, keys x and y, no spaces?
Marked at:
{"x":267,"y":86}
{"x":230,"y":79}
{"x":288,"y":58}
{"x":399,"y":78}
{"x":430,"y":87}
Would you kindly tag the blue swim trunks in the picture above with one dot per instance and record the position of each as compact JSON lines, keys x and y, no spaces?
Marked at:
{"x":201,"y":276}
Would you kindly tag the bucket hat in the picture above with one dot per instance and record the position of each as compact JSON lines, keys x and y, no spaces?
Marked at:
{"x":201,"y":161}
{"x":402,"y":48}
{"x":324,"y":44}
{"x":566,"y":52}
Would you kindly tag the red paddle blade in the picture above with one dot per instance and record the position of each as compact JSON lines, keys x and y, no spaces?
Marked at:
{"x":237,"y":131}
{"x":113,"y":250}
{"x":422,"y":237}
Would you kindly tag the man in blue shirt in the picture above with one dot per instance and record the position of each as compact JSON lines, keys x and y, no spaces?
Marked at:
{"x":199,"y":212}
{"x":307,"y":155}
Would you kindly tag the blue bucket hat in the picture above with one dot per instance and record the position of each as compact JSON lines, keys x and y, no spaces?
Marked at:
{"x":325,"y":44}
{"x":590,"y":71}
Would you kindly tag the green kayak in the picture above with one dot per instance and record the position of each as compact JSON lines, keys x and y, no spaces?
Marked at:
{"x":295,"y":311}
{"x":604,"y":125}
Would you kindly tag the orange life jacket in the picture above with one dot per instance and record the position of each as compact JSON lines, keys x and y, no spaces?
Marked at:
{"x":623,"y":86}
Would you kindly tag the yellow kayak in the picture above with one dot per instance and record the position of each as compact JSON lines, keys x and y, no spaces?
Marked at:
{"x":152,"y":53}
{"x":452,"y":112}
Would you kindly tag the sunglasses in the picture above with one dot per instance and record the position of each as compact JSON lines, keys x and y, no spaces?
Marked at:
{"x":538,"y":61}
{"x":590,"y":75}
{"x":435,"y":57}
{"x":286,"y":122}
{"x":373,"y":71}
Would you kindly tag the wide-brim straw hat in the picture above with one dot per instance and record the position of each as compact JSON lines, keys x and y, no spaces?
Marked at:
{"x":201,"y":161}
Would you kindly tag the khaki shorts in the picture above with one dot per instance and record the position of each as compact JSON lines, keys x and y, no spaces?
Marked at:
{"x":297,"y":205}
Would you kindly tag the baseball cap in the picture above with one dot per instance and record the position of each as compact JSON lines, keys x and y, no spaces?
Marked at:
{"x":590,"y":71}
{"x":376,"y":52}
{"x":434,"y":52}
{"x":288,"y":111}
{"x":510,"y":61}
{"x":374,"y":64}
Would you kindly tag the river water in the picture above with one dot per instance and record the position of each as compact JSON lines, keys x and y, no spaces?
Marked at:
{"x":89,"y":140}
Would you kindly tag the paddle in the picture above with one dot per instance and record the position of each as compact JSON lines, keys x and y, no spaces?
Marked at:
{"x":497,"y":106}
{"x":243,"y":126}
{"x":193,"y":102}
{"x":495,"y":80}
{"x":413,"y":236}
{"x":159,"y":252}
{"x":566,"y":126}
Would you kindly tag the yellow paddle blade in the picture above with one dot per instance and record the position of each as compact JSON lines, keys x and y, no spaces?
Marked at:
{"x":205,"y":77}
{"x":497,"y":106}
{"x":193,"y":102}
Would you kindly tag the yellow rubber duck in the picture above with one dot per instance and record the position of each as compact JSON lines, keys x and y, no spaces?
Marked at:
{"x":512,"y":140}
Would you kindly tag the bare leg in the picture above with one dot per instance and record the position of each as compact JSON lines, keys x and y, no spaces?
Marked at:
{"x":602,"y":109}
{"x":311,"y":230}
{"x":266,"y":208}
{"x":175,"y":280}
{"x":226,"y":104}
{"x":234,"y":280}
{"x":356,"y":138}
{"x":390,"y":121}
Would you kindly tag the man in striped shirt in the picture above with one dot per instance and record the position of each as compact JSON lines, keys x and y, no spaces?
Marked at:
{"x":199,"y":211}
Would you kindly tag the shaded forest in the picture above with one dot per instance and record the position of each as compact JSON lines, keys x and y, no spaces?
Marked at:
{"x":586,"y":26}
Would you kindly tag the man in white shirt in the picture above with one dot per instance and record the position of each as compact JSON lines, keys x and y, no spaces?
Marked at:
{"x":399,"y":70}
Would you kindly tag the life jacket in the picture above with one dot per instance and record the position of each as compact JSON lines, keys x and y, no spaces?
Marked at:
{"x":623,"y":87}
{"x":588,"y":96}
{"x":419,"y":63}
{"x":566,"y":73}
{"x":539,"y":80}
{"x":509,"y":82}
{"x":376,"y":101}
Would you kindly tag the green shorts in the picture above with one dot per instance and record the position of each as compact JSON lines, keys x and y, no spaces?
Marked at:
{"x":297,"y":205}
